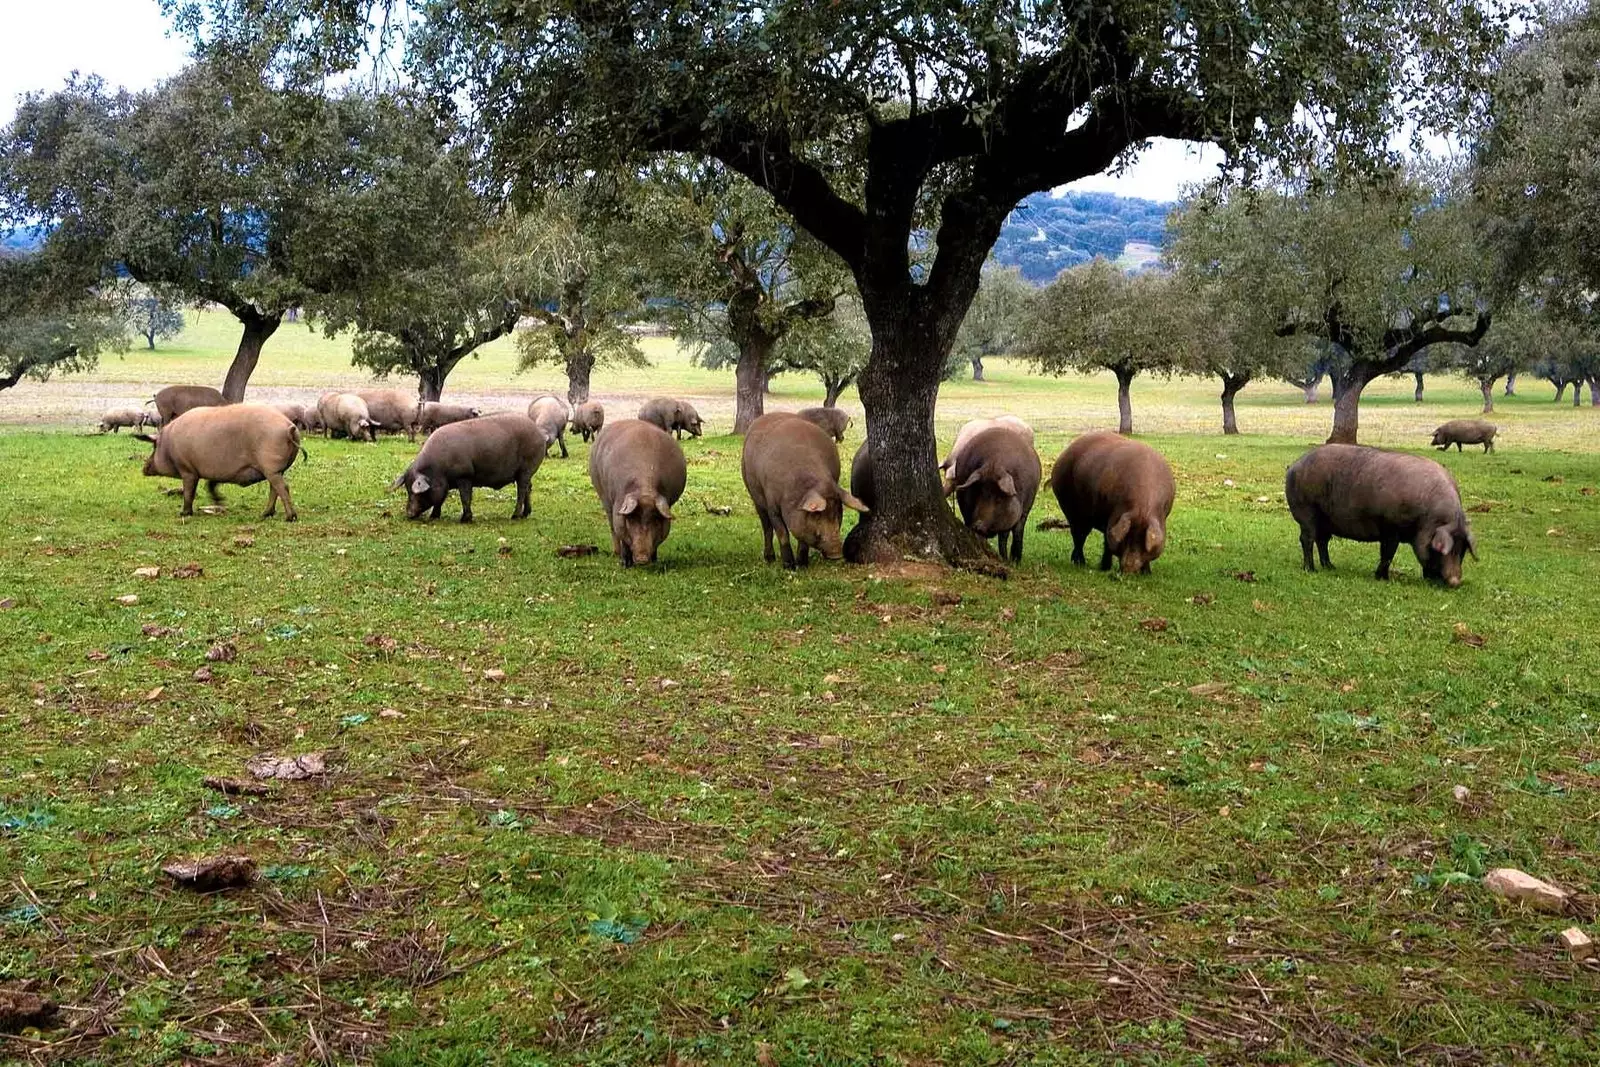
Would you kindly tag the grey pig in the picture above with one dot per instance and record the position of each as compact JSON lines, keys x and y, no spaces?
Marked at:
{"x":791,"y":470}
{"x":587,"y":419}
{"x":833,"y":420}
{"x":996,"y":478}
{"x":638,"y":471}
{"x":491,"y":451}
{"x":1460,"y":432}
{"x":174,"y":400}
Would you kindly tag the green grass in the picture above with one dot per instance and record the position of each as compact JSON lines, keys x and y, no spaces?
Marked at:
{"x":716,"y":807}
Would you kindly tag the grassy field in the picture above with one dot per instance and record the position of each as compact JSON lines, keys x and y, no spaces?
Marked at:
{"x":716,"y":813}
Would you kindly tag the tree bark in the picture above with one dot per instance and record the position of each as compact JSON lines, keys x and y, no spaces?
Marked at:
{"x":1311,"y":388}
{"x":258,"y":328}
{"x":750,"y":381}
{"x":977,"y":369}
{"x":1594,"y":391}
{"x":1124,"y":401}
{"x":1511,"y":384}
{"x":1577,"y":393}
{"x":1561,"y":390}
{"x":1231,"y":385}
{"x":1418,"y":396}
{"x":1486,"y":385}
{"x":580,"y":365}
{"x":430,"y":382}
{"x":1347,"y":403}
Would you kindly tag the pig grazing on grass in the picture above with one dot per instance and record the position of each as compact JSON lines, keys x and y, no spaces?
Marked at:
{"x":305,"y":419}
{"x":391,"y":411}
{"x":973,"y":429}
{"x":834,"y":421}
{"x":174,"y":400}
{"x":435,"y":415}
{"x":1364,"y":494}
{"x":791,"y":469}
{"x":114,"y":420}
{"x":861,"y":478}
{"x":674,"y":416}
{"x":551,"y":414}
{"x":1124,"y":489}
{"x":1460,"y":432}
{"x":491,"y":451}
{"x":587,"y":419}
{"x":346,"y":415}
{"x":996,"y":478}
{"x":638,"y":471}
{"x":237,"y":444}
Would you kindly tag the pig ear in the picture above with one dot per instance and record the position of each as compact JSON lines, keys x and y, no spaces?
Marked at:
{"x":1472,"y":545}
{"x":398,"y":482}
{"x":420,"y":484}
{"x":948,"y":482}
{"x":664,"y":508}
{"x":852,"y":502}
{"x":814,"y":502}
{"x":1008,"y":485}
{"x":972,"y":479}
{"x":629,"y":505}
{"x":1442,"y":541}
{"x":1118,"y":531}
{"x":1153,"y":536}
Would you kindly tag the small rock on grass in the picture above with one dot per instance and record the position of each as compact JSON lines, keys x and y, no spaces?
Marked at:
{"x":21,"y":1007}
{"x":494,"y":674}
{"x":129,"y":600}
{"x":1463,"y":633}
{"x":288,"y":768}
{"x":212,"y":873}
{"x":1153,"y":625}
{"x":1461,"y":794}
{"x":189,"y":570}
{"x":147,"y":572}
{"x":1578,"y":943}
{"x":203,"y":674}
{"x":222,"y":652}
{"x":7,"y":604}
{"x":1513,"y":884}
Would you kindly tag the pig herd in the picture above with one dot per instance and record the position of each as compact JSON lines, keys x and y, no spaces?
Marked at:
{"x":1103,"y":482}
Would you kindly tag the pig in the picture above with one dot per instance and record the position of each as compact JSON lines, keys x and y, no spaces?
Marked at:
{"x":997,"y":476}
{"x":1124,"y":489}
{"x":971,"y":430}
{"x":1366,"y":494}
{"x":298,"y":414}
{"x":833,"y":420}
{"x":346,"y":414}
{"x":493,"y":451}
{"x":638,"y":471}
{"x":1460,"y":432}
{"x":674,"y":416}
{"x":587,"y":419}
{"x":550,"y":414}
{"x":791,"y":470}
{"x":134,"y":418}
{"x":434,"y":415}
{"x":234,"y":444}
{"x":391,"y":410}
{"x":174,"y":400}
{"x":861,"y":478}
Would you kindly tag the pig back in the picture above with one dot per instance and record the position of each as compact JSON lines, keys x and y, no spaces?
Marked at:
{"x":863,"y":483}
{"x":390,"y":409}
{"x":1002,"y":449}
{"x":1101,"y":474}
{"x":225,"y":443}
{"x":1363,"y":493}
{"x":490,"y":450}
{"x":634,"y":454}
{"x":1467,"y":431}
{"x":174,"y":400}
{"x":784,"y":453}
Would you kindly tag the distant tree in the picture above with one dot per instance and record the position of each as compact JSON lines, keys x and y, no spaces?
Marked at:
{"x":994,"y":321}
{"x":155,"y":316}
{"x":217,"y":186}
{"x":737,"y":267}
{"x":52,"y":320}
{"x":1306,"y":369}
{"x":1379,"y":270}
{"x":835,"y":348}
{"x":581,"y":255}
{"x":1096,"y":317}
{"x":1518,"y":333}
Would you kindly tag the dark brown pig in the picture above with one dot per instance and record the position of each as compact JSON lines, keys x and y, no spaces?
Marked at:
{"x":996,"y":478}
{"x":435,"y":415}
{"x":392,"y":411}
{"x":638,"y":471}
{"x":833,"y":420}
{"x":551,"y":414}
{"x":1365,"y":494}
{"x":174,"y":400}
{"x":587,"y":419}
{"x":674,"y":416}
{"x":791,"y":469}
{"x":491,"y":451}
{"x":1460,"y":432}
{"x":235,"y":444}
{"x":1124,"y":489}
{"x":861,"y":478}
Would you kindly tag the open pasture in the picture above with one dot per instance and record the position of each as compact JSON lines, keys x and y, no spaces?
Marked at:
{"x":716,"y":813}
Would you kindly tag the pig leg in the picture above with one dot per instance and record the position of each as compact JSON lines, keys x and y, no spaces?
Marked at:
{"x":1105,"y":556}
{"x":561,"y":439}
{"x":766,"y":536}
{"x":280,"y":489}
{"x":1080,"y":534}
{"x":466,"y":501}
{"x":1000,"y":540}
{"x":1322,"y":550}
{"x":802,"y":553}
{"x":783,"y":543}
{"x":1306,"y":540}
{"x":1016,"y":541}
{"x":191,"y":482}
{"x":1488,"y":446}
{"x":1386,"y":550}
{"x":524,"y":482}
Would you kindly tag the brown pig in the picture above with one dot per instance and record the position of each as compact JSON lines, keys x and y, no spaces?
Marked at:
{"x":1460,"y":432}
{"x":134,"y":418}
{"x":674,"y":416}
{"x":587,"y":419}
{"x":304,"y":419}
{"x":551,"y":414}
{"x":997,"y":477}
{"x":235,"y":444}
{"x":862,"y":483}
{"x":492,"y":451}
{"x":833,"y":420}
{"x":1124,"y":489}
{"x":434,"y":415}
{"x":1366,"y":494}
{"x":638,"y":471}
{"x":391,"y":410}
{"x":347,"y":414}
{"x":972,"y":429}
{"x":791,"y":469}
{"x":174,"y":400}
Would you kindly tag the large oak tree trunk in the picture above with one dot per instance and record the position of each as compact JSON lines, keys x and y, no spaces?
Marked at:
{"x":1124,"y":400}
{"x":430,"y":383}
{"x":750,"y":381}
{"x":580,"y":365}
{"x":257,"y":329}
{"x":1231,"y":384}
{"x":1347,"y":403}
{"x":1486,"y":385}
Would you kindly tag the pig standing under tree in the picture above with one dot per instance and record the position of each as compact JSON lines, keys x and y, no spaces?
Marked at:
{"x":639,"y":472}
{"x":791,"y":470}
{"x":1365,"y":494}
{"x":551,"y":414}
{"x":833,"y":420}
{"x":587,"y":419}
{"x":1124,"y":489}
{"x":174,"y":400}
{"x":996,"y":479}
{"x":491,"y":451}
{"x":236,"y":444}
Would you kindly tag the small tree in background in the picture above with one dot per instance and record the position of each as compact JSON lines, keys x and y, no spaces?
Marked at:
{"x":993,"y":326}
{"x":1096,"y":317}
{"x":836,"y":348}
{"x":154,"y":316}
{"x":1518,"y":333}
{"x":52,"y":321}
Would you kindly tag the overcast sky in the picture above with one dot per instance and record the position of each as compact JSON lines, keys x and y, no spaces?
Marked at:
{"x":126,"y":43}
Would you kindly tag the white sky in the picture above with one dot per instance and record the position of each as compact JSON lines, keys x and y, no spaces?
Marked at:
{"x":126,"y":42}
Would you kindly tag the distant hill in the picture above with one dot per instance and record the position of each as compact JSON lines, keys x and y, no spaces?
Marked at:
{"x":1047,"y":234}
{"x":25,"y":239}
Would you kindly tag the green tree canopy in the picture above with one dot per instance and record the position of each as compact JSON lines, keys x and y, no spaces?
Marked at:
{"x":52,"y":320}
{"x":993,"y":326}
